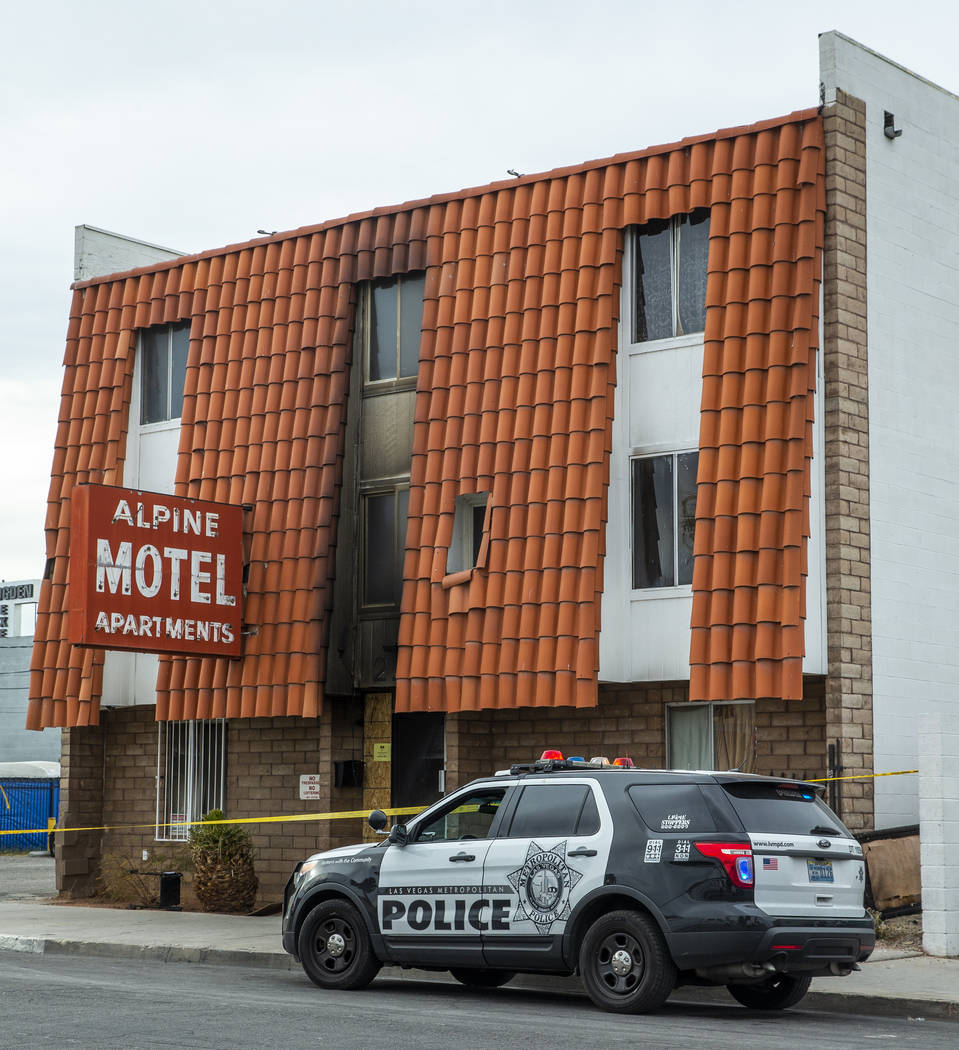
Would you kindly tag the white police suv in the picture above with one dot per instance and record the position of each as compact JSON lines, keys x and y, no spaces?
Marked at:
{"x":637,"y":880}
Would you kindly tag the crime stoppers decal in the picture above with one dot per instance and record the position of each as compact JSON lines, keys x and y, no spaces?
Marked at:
{"x":544,"y":883}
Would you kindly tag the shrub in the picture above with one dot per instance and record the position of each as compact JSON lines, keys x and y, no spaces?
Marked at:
{"x":224,"y":879}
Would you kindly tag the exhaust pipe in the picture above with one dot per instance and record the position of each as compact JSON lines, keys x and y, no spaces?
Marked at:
{"x":736,"y":972}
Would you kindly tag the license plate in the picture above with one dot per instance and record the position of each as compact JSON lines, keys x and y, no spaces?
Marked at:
{"x":819,"y":870}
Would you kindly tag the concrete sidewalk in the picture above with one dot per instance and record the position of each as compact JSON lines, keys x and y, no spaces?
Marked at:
{"x":892,"y":983}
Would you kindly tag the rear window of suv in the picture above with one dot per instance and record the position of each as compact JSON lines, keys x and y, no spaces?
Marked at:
{"x":783,"y":809}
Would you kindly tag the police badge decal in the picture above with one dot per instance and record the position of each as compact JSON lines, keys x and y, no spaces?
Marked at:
{"x":544,"y":883}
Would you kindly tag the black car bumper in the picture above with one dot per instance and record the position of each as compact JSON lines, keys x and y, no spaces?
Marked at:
{"x":796,"y":945}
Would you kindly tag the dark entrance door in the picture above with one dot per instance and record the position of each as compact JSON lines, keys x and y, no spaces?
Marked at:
{"x":418,"y":755}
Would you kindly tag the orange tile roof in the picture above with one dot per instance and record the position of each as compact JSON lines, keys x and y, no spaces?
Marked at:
{"x":515,"y":397}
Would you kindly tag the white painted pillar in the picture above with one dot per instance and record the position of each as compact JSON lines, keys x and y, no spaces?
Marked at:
{"x":939,"y":831}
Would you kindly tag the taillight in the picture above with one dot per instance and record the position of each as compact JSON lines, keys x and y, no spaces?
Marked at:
{"x":736,"y":858}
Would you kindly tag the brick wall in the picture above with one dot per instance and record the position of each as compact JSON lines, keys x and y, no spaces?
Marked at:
{"x":109,"y":777}
{"x":81,"y":805}
{"x":629,"y":720}
{"x":848,"y":586}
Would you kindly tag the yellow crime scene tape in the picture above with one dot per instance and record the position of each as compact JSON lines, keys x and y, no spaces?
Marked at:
{"x":353,"y":814}
{"x":863,"y":776}
{"x":295,"y":818}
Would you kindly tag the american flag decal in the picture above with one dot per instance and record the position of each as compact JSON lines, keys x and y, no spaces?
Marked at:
{"x":770,"y":863}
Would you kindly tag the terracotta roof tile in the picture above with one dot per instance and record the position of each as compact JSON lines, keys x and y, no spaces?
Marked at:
{"x":515,"y":395}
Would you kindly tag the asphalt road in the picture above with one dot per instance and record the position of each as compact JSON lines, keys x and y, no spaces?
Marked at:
{"x":71,"y":1001}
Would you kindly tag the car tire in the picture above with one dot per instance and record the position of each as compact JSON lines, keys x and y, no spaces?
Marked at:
{"x":334,"y":947}
{"x":778,"y":992}
{"x":625,"y":964}
{"x":483,"y":978}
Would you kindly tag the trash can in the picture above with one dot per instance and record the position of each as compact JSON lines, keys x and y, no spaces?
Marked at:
{"x":170,"y":890}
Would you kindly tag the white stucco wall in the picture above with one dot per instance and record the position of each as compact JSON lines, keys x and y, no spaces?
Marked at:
{"x":912,"y":194}
{"x":645,"y":634}
{"x":97,"y":253}
{"x":150,"y":464}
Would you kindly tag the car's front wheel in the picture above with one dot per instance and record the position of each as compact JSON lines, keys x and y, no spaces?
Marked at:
{"x":334,"y":947}
{"x":483,"y":978}
{"x":778,"y":992}
{"x":625,"y":964}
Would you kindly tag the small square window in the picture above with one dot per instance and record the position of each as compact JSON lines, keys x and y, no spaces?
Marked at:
{"x":163,"y":357}
{"x":670,"y":260}
{"x":469,"y":520}
{"x":664,"y":519}
{"x":390,"y":320}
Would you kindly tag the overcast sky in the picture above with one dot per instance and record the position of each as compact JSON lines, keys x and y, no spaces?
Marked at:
{"x":193,"y":124}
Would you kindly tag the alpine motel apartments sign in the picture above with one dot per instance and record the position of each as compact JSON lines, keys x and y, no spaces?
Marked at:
{"x":155,"y":573}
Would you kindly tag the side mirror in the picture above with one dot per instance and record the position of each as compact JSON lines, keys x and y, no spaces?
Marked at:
{"x":398,"y":835}
{"x":377,"y":820}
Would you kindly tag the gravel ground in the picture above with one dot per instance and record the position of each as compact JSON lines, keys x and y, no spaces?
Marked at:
{"x":903,"y":931}
{"x":26,"y":878}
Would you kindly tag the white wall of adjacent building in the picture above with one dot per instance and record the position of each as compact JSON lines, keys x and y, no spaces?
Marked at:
{"x":912,"y":195}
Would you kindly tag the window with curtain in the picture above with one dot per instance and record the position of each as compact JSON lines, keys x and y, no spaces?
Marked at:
{"x":711,"y":736}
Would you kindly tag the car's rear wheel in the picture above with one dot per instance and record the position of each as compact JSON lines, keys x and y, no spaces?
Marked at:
{"x":625,"y":964}
{"x":483,"y":978}
{"x":334,"y":947}
{"x":778,"y":992}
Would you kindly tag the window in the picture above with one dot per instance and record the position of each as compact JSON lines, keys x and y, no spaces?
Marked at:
{"x":191,"y":772}
{"x":711,"y":736}
{"x":389,"y":322}
{"x":670,"y":284}
{"x":554,"y":810}
{"x":783,"y":809}
{"x":468,"y":521}
{"x":664,"y":519}
{"x":470,"y":817}
{"x":384,"y":516}
{"x":674,"y":807}
{"x":163,"y":356}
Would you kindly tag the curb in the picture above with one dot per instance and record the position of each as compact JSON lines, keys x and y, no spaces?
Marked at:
{"x":160,"y":952}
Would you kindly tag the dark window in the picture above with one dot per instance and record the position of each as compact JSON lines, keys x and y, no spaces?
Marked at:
{"x":163,"y":357}
{"x":679,"y":808}
{"x":664,"y":519}
{"x":470,"y":817}
{"x":385,"y":545}
{"x":554,"y":810}
{"x":670,"y":260}
{"x":393,"y":322}
{"x":783,"y":809}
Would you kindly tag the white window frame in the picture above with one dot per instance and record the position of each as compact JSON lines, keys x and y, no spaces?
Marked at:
{"x":202,"y":751}
{"x":169,"y":419}
{"x":676,"y":588}
{"x":459,"y":557}
{"x":687,"y":705}
{"x":630,"y":276}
